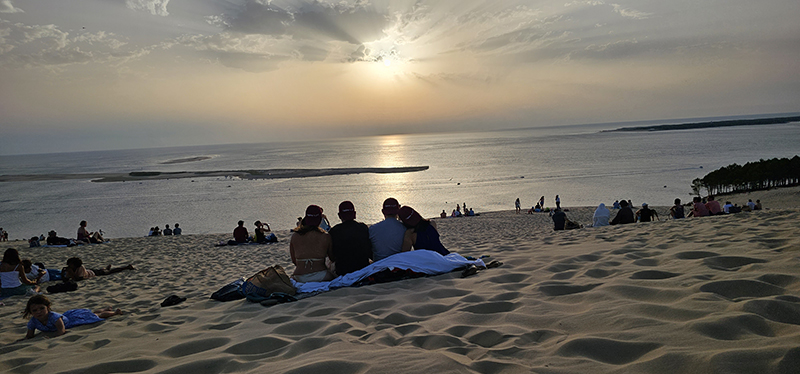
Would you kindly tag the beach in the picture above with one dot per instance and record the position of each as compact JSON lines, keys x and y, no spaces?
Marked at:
{"x":700,"y":295}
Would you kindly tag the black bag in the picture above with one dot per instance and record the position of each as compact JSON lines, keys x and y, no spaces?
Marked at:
{"x":62,"y":287}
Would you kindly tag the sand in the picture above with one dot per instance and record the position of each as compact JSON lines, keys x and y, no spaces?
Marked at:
{"x":701,"y":295}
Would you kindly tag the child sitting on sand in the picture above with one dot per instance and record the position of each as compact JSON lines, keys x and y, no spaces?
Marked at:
{"x":46,"y":320}
{"x":76,"y":271}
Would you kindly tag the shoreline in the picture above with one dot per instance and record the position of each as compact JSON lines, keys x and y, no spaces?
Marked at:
{"x":243,"y":174}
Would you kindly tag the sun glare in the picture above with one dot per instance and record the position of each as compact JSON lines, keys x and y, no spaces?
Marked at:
{"x":387,"y":62}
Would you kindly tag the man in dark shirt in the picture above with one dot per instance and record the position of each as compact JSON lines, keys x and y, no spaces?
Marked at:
{"x":352,"y":249}
{"x":559,"y":219}
{"x":646,"y":214}
{"x":240,"y":233}
{"x":625,"y":214}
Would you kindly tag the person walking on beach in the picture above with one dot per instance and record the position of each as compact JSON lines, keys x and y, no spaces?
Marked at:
{"x":624,"y":216}
{"x":387,"y":235}
{"x":516,"y":205}
{"x":351,"y":248}
{"x":558,"y":202}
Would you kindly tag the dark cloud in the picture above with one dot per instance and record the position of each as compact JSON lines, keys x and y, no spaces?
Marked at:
{"x":316,"y":20}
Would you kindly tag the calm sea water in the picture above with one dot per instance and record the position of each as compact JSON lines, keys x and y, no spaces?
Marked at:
{"x":485,"y":170}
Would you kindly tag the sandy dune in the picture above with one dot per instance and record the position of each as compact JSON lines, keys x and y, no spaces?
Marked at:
{"x":710,"y":295}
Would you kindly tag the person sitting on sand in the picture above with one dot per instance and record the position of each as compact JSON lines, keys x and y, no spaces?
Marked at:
{"x":240,"y":234}
{"x":177,"y":230}
{"x":713,"y":206}
{"x":167,"y":230}
{"x":420,"y":233}
{"x":698,"y":209}
{"x":88,"y":236}
{"x":471,"y":213}
{"x":617,"y":205}
{"x":727,"y":207}
{"x":751,"y":204}
{"x":75,"y":270}
{"x":443,"y":214}
{"x":624,"y":216}
{"x":156,"y":231}
{"x":351,"y":248}
{"x":676,"y":211}
{"x":13,"y":280}
{"x":646,"y":214}
{"x":35,"y":272}
{"x":387,"y":235}
{"x":46,"y":320}
{"x":309,"y":247}
{"x":559,"y":219}
{"x":260,"y":233}
{"x":758,"y":205}
{"x":54,"y":239}
{"x":601,"y":216}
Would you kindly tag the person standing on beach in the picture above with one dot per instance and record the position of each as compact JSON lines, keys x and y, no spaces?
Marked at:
{"x":177,"y":230}
{"x":3,"y":235}
{"x":541,"y":202}
{"x":624,"y":216}
{"x":558,"y":202}
{"x":352,"y":249}
{"x":516,"y":205}
{"x":387,"y":235}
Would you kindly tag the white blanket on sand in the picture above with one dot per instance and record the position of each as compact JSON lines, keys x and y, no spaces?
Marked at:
{"x":420,"y":261}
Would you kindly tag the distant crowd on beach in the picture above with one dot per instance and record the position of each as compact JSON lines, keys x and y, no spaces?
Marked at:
{"x":155,"y":231}
{"x":699,"y":207}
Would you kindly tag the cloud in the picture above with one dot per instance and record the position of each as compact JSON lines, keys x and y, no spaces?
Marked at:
{"x":352,"y":23}
{"x":253,"y":53}
{"x":155,"y":7}
{"x":7,"y":7}
{"x":630,"y":13}
{"x":48,"y":46}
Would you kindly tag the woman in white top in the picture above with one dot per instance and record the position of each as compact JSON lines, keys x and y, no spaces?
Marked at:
{"x":12,"y":275}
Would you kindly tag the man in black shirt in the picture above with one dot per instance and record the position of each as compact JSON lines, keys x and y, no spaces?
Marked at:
{"x":646,"y":214}
{"x":625,"y":214}
{"x":352,"y":249}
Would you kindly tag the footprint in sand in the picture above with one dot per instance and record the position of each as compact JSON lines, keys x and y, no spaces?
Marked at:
{"x":734,"y":289}
{"x":730,"y":263}
{"x":734,"y":328}
{"x":653,"y":274}
{"x":552,"y":288}
{"x":196,"y":346}
{"x":606,"y":350}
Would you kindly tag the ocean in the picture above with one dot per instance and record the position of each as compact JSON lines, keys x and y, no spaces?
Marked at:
{"x":486,"y":171}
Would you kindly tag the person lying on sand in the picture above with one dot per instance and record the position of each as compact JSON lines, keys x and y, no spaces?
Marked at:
{"x":44,"y":319}
{"x":76,"y":271}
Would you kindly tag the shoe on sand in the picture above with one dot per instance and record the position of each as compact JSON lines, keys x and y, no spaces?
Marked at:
{"x":494,"y":264}
{"x":470,"y":270}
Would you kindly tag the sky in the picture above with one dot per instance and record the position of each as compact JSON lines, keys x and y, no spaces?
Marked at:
{"x":112,"y":74}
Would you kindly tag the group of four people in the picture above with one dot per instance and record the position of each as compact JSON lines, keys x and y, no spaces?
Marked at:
{"x":351,"y":245}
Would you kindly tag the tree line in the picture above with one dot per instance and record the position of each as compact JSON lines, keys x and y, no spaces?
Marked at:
{"x":752,"y":176}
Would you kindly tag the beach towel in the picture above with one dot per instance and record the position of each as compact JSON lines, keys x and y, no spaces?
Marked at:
{"x":419,"y":261}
